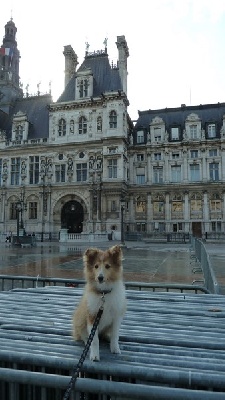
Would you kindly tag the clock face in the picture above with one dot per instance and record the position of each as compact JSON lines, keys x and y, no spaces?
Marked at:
{"x":177,"y":206}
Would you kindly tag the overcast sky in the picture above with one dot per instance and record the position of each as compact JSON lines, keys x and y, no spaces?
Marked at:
{"x":177,"y":47}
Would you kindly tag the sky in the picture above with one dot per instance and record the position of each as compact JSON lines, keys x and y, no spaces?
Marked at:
{"x":176,"y":47}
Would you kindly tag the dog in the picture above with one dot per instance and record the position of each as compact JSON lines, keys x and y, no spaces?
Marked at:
{"x":103,"y":272}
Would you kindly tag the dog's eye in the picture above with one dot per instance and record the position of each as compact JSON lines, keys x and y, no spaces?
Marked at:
{"x":96,"y":266}
{"x":107,"y":266}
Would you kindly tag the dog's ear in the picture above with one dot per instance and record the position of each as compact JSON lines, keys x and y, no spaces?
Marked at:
{"x":116,"y":253}
{"x":90,"y":255}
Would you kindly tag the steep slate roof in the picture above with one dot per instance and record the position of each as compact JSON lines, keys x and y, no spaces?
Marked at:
{"x":36,"y":108}
{"x":176,"y":116}
{"x":105,"y":78}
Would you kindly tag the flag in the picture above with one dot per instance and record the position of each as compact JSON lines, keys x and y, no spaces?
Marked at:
{"x":6,"y":51}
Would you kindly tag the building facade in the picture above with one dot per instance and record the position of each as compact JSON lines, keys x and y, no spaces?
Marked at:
{"x":79,"y":164}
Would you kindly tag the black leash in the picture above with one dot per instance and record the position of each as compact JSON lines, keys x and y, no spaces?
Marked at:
{"x":78,"y":367}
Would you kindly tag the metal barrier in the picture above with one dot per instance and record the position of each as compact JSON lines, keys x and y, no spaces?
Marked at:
{"x":172,"y":348}
{"x":9,"y":282}
{"x":211,"y":283}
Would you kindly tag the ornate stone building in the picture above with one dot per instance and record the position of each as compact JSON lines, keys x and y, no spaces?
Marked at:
{"x":69,"y":163}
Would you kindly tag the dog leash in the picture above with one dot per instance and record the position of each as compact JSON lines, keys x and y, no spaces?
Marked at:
{"x":78,"y":367}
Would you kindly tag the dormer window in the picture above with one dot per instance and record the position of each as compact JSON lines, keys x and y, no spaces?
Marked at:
{"x":193,"y":127}
{"x":157,"y":135}
{"x":140,"y":137}
{"x":19,"y":133}
{"x":83,"y":88}
{"x":175,"y":133}
{"x":20,"y":127}
{"x":84,"y":84}
{"x":193,"y":132}
{"x":62,"y":127}
{"x":211,"y":130}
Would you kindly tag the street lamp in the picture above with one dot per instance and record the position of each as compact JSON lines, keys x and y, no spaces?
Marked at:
{"x":122,"y":208}
{"x":18,"y":210}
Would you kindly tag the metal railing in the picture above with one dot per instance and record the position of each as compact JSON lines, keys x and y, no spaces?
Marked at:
{"x":9,"y":282}
{"x":202,"y":256}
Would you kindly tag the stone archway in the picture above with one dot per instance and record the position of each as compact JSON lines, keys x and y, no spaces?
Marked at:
{"x":72,"y":217}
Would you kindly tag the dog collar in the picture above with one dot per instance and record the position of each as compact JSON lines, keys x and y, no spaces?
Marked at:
{"x":104,"y":291}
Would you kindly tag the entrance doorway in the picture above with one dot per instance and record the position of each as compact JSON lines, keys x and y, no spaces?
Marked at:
{"x":197,"y":229}
{"x":72,"y":217}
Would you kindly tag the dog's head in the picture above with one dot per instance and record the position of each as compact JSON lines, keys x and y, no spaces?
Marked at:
{"x":103,"y":267}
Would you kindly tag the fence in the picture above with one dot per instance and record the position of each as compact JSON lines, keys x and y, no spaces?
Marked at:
{"x":172,"y":348}
{"x":9,"y":282}
{"x":211,"y":283}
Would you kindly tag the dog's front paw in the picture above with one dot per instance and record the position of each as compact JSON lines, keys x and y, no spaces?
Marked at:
{"x":115,"y":348}
{"x":94,"y":356}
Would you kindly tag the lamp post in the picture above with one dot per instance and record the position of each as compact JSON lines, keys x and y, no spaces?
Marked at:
{"x":122,"y":208}
{"x":18,"y":210}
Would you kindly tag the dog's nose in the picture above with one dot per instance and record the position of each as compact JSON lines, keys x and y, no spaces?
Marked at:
{"x":100,"y":278}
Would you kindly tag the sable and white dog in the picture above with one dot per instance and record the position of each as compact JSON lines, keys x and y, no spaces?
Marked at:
{"x":104,"y":275}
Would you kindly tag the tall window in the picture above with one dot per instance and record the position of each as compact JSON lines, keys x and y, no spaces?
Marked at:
{"x":176,"y":173}
{"x":175,"y":133}
{"x":33,"y":169}
{"x":193,"y":132}
{"x":19,"y":133}
{"x":83,"y":88}
{"x":158,"y":174}
{"x":157,"y":156}
{"x":140,"y":137}
{"x":62,"y":127}
{"x":15,"y":171}
{"x":213,"y":153}
{"x":140,"y":157}
{"x":140,"y":179}
{"x":13,"y":211}
{"x":113,"y":119}
{"x":194,"y":172}
{"x":81,"y":172}
{"x":82,"y":125}
{"x":215,"y":202}
{"x":32,"y":210}
{"x":60,"y":173}
{"x":112,"y":168}
{"x":214,"y":171}
{"x":194,"y":153}
{"x":211,"y":130}
{"x":196,"y":203}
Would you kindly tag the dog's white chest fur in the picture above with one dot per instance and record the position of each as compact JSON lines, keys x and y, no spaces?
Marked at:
{"x":113,"y":305}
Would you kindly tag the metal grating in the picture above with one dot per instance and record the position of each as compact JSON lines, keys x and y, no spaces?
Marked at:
{"x":172,"y":348}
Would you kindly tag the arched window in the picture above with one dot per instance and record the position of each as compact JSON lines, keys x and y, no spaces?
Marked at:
{"x":82,"y":125}
{"x":113,"y":119}
{"x":62,"y":127}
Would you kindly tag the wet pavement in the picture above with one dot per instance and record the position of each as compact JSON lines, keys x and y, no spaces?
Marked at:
{"x":144,"y":262}
{"x":151,"y":262}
